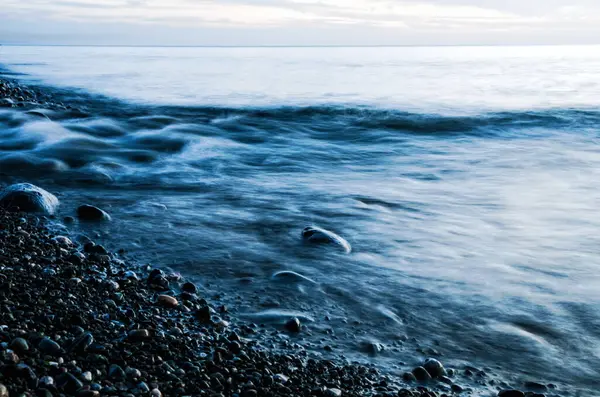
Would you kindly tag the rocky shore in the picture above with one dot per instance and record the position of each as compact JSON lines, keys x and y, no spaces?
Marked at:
{"x":78,"y":320}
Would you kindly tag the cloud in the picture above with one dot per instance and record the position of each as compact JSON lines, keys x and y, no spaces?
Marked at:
{"x":412,"y":17}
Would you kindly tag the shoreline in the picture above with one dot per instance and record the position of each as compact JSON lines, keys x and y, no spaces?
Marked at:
{"x":86,"y":272}
{"x":82,"y":321}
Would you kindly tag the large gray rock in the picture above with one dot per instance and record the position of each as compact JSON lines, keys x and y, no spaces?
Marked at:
{"x":28,"y":198}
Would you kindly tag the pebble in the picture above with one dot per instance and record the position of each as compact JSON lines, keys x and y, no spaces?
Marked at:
{"x":434,"y":367}
{"x":19,"y":345}
{"x":333,"y":392}
{"x":317,"y":235}
{"x":116,"y":372}
{"x":167,"y":301}
{"x":138,"y":334}
{"x":421,"y":374}
{"x":293,"y":325}
{"x":48,"y":346}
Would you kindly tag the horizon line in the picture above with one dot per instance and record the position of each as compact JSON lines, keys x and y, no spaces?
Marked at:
{"x":297,"y":45}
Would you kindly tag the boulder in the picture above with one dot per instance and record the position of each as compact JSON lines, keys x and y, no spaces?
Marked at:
{"x":28,"y":198}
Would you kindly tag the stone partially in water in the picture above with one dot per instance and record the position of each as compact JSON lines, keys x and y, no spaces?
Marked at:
{"x":293,"y":325}
{"x":90,"y":213}
{"x":317,"y":235}
{"x":28,"y":198}
{"x":434,"y":367}
{"x":421,"y":374}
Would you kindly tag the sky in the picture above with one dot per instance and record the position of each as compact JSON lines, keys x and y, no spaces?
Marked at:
{"x":299,"y":22}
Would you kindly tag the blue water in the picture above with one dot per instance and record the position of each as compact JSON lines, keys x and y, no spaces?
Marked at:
{"x":465,"y":179}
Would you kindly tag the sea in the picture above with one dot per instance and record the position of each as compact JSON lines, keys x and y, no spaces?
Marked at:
{"x":465,"y":179}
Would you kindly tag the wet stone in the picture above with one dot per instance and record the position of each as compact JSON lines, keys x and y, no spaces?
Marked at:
{"x":167,"y":301}
{"x":68,"y":383}
{"x":421,"y":374}
{"x":91,"y":213}
{"x":19,"y":345}
{"x":138,"y":334}
{"x":48,"y":346}
{"x":333,"y":392}
{"x":434,"y":367}
{"x":293,"y":325}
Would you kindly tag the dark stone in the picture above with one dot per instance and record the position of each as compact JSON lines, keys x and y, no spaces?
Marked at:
{"x":203,"y":314}
{"x":293,"y":325}
{"x":91,"y":213}
{"x":68,"y":383}
{"x":409,"y":377}
{"x":434,"y":367}
{"x":81,"y":344}
{"x":28,"y":198}
{"x":116,"y":372}
{"x":421,"y":374}
{"x":189,"y":288}
{"x":48,"y":346}
{"x":19,"y":345}
{"x":316,"y":235}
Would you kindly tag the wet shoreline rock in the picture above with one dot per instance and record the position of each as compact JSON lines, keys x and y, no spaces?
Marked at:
{"x":317,"y":236}
{"x":87,"y":212}
{"x":28,"y":198}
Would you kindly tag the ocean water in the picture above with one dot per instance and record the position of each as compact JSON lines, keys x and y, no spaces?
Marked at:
{"x":466,"y":180}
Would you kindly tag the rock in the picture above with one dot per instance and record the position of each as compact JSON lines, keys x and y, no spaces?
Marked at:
{"x":63,"y":241}
{"x":133,"y":373}
{"x":116,"y":372}
{"x":421,"y":374}
{"x":46,"y":381}
{"x":316,"y":235}
{"x":88,"y":393}
{"x":535,"y":386}
{"x":189,"y":288}
{"x":456,"y":389}
{"x":19,"y":345}
{"x":203,"y":314}
{"x":28,"y":198}
{"x":48,"y":346}
{"x":333,"y":392}
{"x":68,"y":383}
{"x":81,"y":344}
{"x":511,"y":393}
{"x":293,"y":325}
{"x":138,"y":335}
{"x":372,"y":348}
{"x":90,"y":213}
{"x":155,"y":393}
{"x":167,"y":301}
{"x":434,"y":367}
{"x":280,"y":378}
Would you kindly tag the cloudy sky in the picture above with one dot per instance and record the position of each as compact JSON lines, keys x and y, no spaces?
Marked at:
{"x":299,"y":22}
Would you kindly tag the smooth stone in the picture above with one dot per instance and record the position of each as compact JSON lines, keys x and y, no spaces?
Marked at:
{"x":189,"y":288}
{"x":63,"y":241}
{"x":87,"y":377}
{"x":88,"y":393}
{"x":138,"y":334}
{"x":293,"y":325}
{"x":434,"y":367}
{"x":203,"y":314}
{"x":19,"y":345}
{"x":317,"y":235}
{"x":167,"y":301}
{"x":82,"y":343}
{"x":68,"y":383}
{"x":333,"y":392}
{"x":49,"y":346}
{"x":46,"y":381}
{"x":116,"y":372}
{"x":90,"y":213}
{"x":155,"y":393}
{"x":409,"y":377}
{"x":133,"y":373}
{"x":28,"y":198}
{"x":511,"y":393}
{"x":421,"y":374}
{"x":280,"y":378}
